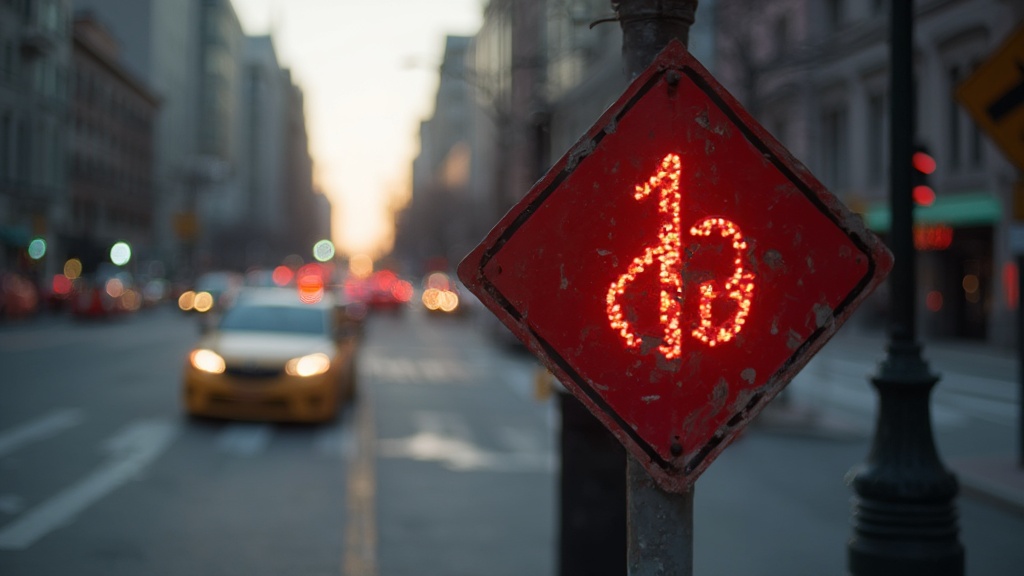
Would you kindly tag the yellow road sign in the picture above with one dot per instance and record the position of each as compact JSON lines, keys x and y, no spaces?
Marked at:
{"x":994,"y":96}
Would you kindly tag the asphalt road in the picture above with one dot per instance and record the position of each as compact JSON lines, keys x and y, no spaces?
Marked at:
{"x":446,"y":464}
{"x":101,"y":474}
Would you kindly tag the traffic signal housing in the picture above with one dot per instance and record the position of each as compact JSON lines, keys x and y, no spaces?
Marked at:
{"x":924,"y":165}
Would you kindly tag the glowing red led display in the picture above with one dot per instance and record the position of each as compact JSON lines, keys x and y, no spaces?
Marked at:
{"x":739,"y":287}
{"x":675,"y":269}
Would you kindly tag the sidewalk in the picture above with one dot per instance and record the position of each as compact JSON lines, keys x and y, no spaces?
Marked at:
{"x":987,"y":371}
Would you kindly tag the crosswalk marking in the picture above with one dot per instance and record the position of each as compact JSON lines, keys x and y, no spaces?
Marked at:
{"x":416,"y":370}
{"x":134,"y":448}
{"x":447,"y":439}
{"x":126,"y":454}
{"x":39,"y":429}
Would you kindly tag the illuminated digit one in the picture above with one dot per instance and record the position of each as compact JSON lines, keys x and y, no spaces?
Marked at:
{"x":738,"y":288}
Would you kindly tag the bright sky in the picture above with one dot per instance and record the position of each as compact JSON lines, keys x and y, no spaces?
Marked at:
{"x":369,"y":74}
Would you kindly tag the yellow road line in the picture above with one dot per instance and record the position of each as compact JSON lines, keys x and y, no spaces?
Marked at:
{"x":360,"y":553}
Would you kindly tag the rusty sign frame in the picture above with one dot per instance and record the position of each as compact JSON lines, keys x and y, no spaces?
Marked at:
{"x":676,"y":474}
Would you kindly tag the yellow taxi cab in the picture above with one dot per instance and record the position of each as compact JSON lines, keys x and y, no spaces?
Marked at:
{"x":277,"y":354}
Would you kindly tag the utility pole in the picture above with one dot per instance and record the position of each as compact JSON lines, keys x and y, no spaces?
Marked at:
{"x":904,"y":517}
{"x":660,"y":524}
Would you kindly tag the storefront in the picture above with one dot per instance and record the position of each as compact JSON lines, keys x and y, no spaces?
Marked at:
{"x":955,"y":238}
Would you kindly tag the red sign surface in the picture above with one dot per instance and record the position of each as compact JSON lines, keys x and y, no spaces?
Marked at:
{"x":676,"y":268}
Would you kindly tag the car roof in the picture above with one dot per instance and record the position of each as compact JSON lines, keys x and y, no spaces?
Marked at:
{"x":261,"y":296}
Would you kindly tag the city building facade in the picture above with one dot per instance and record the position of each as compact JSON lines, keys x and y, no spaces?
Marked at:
{"x":433,"y":230}
{"x":35,"y":58}
{"x":816,"y":75}
{"x":160,"y":44}
{"x":110,"y":151}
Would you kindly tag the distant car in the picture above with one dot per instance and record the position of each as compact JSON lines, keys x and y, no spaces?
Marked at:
{"x":382,"y":290}
{"x":19,"y":297}
{"x":273,"y":356}
{"x":106,"y":292}
{"x":441,"y":294}
{"x":213,"y":292}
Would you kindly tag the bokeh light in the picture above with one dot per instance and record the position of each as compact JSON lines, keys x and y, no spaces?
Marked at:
{"x":114,"y":287}
{"x":310,"y":281}
{"x":323,"y":251}
{"x":61,"y":284}
{"x":37,"y":248}
{"x":283,"y":275}
{"x":203,"y":302}
{"x":402,"y":290}
{"x":361,"y":265}
{"x":187,"y":300}
{"x":120,"y":253}
{"x":73,"y":268}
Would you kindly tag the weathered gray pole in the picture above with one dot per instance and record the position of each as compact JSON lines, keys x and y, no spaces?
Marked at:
{"x":660,"y":524}
{"x":904,"y":517}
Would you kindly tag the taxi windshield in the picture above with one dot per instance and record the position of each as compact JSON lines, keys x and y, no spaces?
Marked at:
{"x":289,"y":319}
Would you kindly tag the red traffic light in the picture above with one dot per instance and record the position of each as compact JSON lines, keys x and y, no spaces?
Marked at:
{"x":923,"y":162}
{"x":924,"y":195}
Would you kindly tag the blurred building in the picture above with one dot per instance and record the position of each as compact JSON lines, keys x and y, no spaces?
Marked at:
{"x":309,"y":213}
{"x":816,"y":75}
{"x":511,"y":100}
{"x":509,"y":60}
{"x":160,"y":44}
{"x":111,"y":150}
{"x":433,"y":227}
{"x":214,"y":182}
{"x":35,"y":56}
{"x":264,"y":97}
{"x":232,"y":172}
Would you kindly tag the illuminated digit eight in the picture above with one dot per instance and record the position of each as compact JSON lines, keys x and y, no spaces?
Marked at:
{"x":739,"y":287}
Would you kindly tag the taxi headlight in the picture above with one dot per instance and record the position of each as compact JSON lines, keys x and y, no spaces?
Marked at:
{"x":310,"y":365}
{"x":207,"y":361}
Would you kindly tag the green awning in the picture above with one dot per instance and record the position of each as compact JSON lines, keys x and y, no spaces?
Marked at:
{"x":961,"y":210}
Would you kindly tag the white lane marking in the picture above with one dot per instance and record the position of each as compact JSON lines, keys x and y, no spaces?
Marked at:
{"x":39,"y":429}
{"x":360,"y":551}
{"x":446,"y":438}
{"x":244,"y":439}
{"x":134,"y":448}
{"x":415,"y":370}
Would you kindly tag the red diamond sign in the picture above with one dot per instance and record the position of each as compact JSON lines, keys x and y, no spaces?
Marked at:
{"x":676,"y":268}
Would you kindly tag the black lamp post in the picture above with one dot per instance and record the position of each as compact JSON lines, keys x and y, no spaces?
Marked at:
{"x":904,"y":515}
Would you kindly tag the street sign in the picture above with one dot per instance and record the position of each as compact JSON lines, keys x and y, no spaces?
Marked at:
{"x":994,"y":96}
{"x":676,"y":268}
